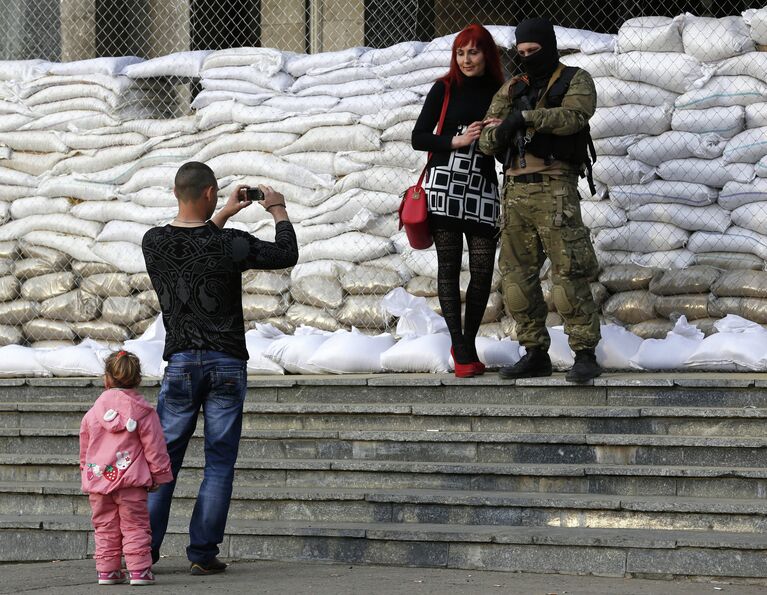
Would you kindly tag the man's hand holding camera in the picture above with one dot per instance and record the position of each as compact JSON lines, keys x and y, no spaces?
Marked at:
{"x":243,"y":196}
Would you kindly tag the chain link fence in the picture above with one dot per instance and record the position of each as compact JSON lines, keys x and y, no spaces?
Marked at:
{"x":318,"y":98}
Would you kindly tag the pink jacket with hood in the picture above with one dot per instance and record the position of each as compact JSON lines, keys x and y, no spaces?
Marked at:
{"x":122,"y":444}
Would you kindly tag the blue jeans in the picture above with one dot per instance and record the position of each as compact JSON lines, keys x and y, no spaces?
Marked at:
{"x":215,"y":382}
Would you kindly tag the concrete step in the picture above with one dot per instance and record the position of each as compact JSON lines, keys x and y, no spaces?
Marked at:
{"x":686,"y":421}
{"x":628,"y":480}
{"x":438,"y":446}
{"x":678,"y":389}
{"x":430,"y":506}
{"x":603,"y":552}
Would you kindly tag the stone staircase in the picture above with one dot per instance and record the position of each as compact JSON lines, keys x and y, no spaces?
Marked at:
{"x":637,"y":475}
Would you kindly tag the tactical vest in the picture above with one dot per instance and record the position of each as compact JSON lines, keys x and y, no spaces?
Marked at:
{"x":578,"y":148}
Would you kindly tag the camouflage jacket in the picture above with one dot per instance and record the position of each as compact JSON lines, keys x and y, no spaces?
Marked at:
{"x":577,"y":107}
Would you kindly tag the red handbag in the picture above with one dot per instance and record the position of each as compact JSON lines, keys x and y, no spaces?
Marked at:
{"x":413,"y":210}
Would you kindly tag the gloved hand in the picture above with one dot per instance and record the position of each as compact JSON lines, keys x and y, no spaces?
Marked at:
{"x":506,"y":129}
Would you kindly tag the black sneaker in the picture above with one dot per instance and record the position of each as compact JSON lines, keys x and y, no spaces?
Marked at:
{"x":535,"y":363}
{"x":585,"y":367}
{"x":213,"y":566}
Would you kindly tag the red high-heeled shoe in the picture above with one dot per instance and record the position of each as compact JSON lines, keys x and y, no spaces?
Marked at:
{"x":462,"y":370}
{"x":479,"y":368}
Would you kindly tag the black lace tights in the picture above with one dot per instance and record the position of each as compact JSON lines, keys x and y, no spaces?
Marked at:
{"x":449,"y":246}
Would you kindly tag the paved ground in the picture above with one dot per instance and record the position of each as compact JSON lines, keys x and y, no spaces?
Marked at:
{"x":273,"y":578}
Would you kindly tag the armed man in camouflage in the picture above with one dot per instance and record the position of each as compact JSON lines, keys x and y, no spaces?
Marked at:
{"x":539,"y":122}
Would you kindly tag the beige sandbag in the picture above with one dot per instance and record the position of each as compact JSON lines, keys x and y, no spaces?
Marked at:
{"x":138,"y":328}
{"x":100,"y":330}
{"x":18,"y":311}
{"x":299,"y":314}
{"x":281,"y":323}
{"x":140,"y":282}
{"x":730,"y":260}
{"x":694,"y":279}
{"x":10,"y":335}
{"x":149,"y":298}
{"x":265,"y":282}
{"x":47,"y":286}
{"x":706,"y":325}
{"x":41,"y":329}
{"x":58,"y":260}
{"x":626,"y":277}
{"x":365,"y":280}
{"x":323,"y":292}
{"x":465,"y":277}
{"x":6,"y":266}
{"x":421,"y":286}
{"x":124,"y":310}
{"x":494,"y":309}
{"x":86,"y":269}
{"x":364,"y":311}
{"x":9,"y":250}
{"x":631,"y":307}
{"x":656,"y":328}
{"x":554,"y":319}
{"x":693,"y":306}
{"x":9,"y":288}
{"x":26,"y":268}
{"x":741,"y":284}
{"x":546,"y":290}
{"x":74,"y":306}
{"x":509,"y":326}
{"x":258,"y":307}
{"x":493,"y":330}
{"x":751,"y":308}
{"x":107,"y":285}
{"x":51,"y":344}
{"x":599,"y":293}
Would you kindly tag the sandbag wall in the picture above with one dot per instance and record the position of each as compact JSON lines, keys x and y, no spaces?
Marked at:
{"x":331,"y":131}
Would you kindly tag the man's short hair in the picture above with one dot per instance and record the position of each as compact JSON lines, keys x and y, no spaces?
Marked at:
{"x":192,"y":179}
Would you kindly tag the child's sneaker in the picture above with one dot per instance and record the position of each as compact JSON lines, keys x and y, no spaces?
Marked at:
{"x":112,"y":577}
{"x":142,"y":577}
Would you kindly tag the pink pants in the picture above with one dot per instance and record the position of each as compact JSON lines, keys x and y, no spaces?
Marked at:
{"x":121,"y":523}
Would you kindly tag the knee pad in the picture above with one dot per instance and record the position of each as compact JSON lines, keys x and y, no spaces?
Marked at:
{"x":516,"y":299}
{"x":561,"y":300}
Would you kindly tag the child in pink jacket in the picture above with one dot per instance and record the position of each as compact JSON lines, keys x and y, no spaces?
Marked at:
{"x":122,"y":456}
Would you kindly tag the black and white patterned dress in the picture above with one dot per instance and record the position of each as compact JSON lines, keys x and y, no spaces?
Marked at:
{"x":461,"y":184}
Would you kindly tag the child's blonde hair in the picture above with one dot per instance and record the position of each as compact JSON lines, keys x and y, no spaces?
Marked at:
{"x":122,"y":370}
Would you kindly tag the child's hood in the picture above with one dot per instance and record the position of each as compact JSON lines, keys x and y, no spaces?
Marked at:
{"x":119,"y":409}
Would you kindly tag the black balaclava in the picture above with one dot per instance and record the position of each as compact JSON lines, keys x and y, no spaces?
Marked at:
{"x":542,"y":64}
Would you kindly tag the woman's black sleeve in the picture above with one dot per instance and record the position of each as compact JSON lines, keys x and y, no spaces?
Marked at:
{"x":423,"y":138}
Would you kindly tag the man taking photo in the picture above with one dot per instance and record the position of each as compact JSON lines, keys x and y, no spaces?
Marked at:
{"x":196,"y":269}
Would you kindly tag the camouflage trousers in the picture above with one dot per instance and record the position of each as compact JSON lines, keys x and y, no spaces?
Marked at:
{"x":544,"y":219}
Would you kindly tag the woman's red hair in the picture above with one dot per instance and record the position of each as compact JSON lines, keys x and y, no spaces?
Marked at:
{"x":479,"y":36}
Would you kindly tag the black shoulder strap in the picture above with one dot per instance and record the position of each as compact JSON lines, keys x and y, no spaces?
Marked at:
{"x":562,"y":84}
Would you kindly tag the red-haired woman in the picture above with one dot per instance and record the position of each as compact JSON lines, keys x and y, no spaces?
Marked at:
{"x":462,"y":186}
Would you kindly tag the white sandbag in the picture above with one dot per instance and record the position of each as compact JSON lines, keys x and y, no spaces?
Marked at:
{"x":616,"y":145}
{"x":735,"y":239}
{"x":758,"y":22}
{"x":711,"y":172}
{"x":227,"y":112}
{"x":613,"y":92}
{"x":367,"y":104}
{"x":724,"y":91}
{"x":429,"y":58}
{"x":651,"y":34}
{"x":265,"y":164}
{"x":399,"y":51}
{"x":41,"y":141}
{"x":178,"y":64}
{"x":154,"y":127}
{"x":738,"y":343}
{"x":266,"y":60}
{"x":336,"y":138}
{"x":87,"y":141}
{"x":22,"y":70}
{"x":352,"y":353}
{"x":642,"y":236}
{"x":664,"y":259}
{"x":294,"y":352}
{"x":756,"y":115}
{"x":333,"y":77}
{"x":388,"y":118}
{"x":245,"y":141}
{"x":670,"y":353}
{"x":14,"y":122}
{"x":104,"y":211}
{"x":613,"y":170}
{"x":123,"y":231}
{"x":597,"y":65}
{"x":737,"y":194}
{"x":616,"y":347}
{"x":364,"y":86}
{"x":672,"y":71}
{"x":126,"y":256}
{"x":300,"y":64}
{"x":415,"y":78}
{"x":72,"y":120}
{"x":107,"y":66}
{"x":574,"y":39}
{"x":630,"y":119}
{"x":380,"y":179}
{"x":747,"y":147}
{"x":676,"y":144}
{"x":301,"y":105}
{"x":18,"y":361}
{"x":352,"y":247}
{"x":60,"y":222}
{"x":319,"y":162}
{"x":56,"y":93}
{"x":105,"y":158}
{"x":392,"y":154}
{"x":77,"y":247}
{"x":149,"y":352}
{"x":723,"y":121}
{"x":399,"y":132}
{"x":300,"y":124}
{"x":69,"y":187}
{"x":428,"y":353}
{"x":710,"y":39}
{"x":761,"y":168}
{"x":34,"y":164}
{"x":16,"y":178}
{"x":752,"y":64}
{"x":750,"y":216}
{"x":279,"y":81}
{"x":9,"y":193}
{"x":77,"y":360}
{"x":707,"y":218}
{"x":661,"y":191}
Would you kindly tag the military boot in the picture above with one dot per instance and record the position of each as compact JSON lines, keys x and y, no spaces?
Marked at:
{"x":536,"y":362}
{"x":585,"y":367}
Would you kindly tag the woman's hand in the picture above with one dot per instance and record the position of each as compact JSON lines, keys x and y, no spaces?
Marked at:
{"x":472,"y":133}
